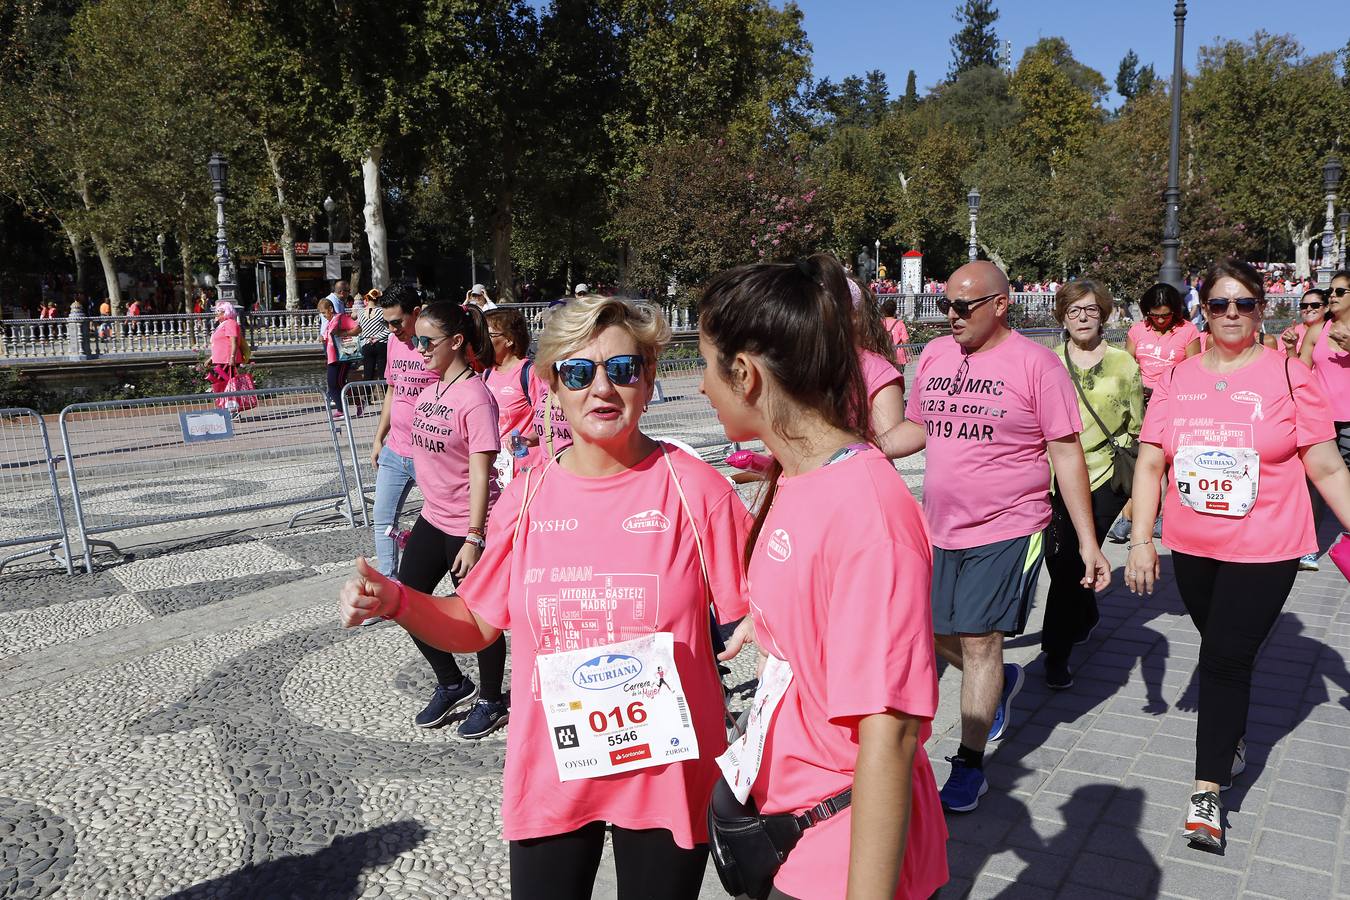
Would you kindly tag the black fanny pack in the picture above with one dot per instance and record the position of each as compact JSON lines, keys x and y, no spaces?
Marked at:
{"x":748,"y":848}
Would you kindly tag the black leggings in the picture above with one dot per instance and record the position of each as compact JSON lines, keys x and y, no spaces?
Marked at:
{"x":337,"y":378}
{"x":1070,"y":607}
{"x":425,"y":560}
{"x":1233,"y":605}
{"x":648,"y":862}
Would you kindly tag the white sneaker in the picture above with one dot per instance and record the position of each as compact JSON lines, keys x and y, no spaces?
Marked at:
{"x":1309,"y":563}
{"x":1204,"y":820}
{"x":1239,"y":763}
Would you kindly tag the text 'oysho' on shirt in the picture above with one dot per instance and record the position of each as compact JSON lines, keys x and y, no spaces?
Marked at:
{"x":449,"y":423}
{"x":989,"y":416}
{"x":598,"y":561}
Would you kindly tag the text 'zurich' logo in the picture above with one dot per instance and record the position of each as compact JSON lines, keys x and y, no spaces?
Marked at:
{"x":1215,"y":459}
{"x":606,"y":671}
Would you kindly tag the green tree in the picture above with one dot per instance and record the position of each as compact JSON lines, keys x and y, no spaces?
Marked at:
{"x":976,"y":43}
{"x":911,"y":98}
{"x":978,"y":104}
{"x":1057,"y":117}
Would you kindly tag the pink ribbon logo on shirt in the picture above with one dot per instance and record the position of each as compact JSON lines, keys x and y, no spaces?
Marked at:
{"x":1254,"y":399}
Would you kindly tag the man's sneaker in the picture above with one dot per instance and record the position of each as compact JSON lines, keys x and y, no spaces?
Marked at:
{"x":485,"y":717}
{"x":1309,"y":563}
{"x":964,"y":787}
{"x":1058,"y":677}
{"x":1120,"y":531}
{"x":1085,"y":634}
{"x":1204,"y":820}
{"x":1012,"y":683}
{"x":1239,"y":763}
{"x":444,"y":701}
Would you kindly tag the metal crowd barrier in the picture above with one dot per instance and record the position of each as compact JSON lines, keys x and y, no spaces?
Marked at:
{"x":134,"y":463}
{"x":361,"y":404}
{"x":30,"y":511}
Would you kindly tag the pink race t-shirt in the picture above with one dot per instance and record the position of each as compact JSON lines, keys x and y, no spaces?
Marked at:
{"x":514,"y":406}
{"x":450,"y":422}
{"x":338,"y":323}
{"x":407,"y":378}
{"x":878,"y":371}
{"x":1253,"y":409}
{"x":562,"y":432}
{"x":853,"y":619}
{"x":1156,"y":351}
{"x":899,"y":336}
{"x":1332,"y":365}
{"x":625,"y":537}
{"x":988,"y":416}
{"x":220,"y":343}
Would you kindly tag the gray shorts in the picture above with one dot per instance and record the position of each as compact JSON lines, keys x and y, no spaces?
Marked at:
{"x":986,"y":588}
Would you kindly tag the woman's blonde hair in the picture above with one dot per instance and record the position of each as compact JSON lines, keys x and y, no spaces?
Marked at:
{"x":570,"y":327}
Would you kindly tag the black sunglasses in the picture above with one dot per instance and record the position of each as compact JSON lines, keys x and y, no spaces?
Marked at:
{"x":395,"y":324}
{"x":1338,"y":292}
{"x":576,"y":374}
{"x":423,"y":343}
{"x":1219,"y":307}
{"x":1311,"y":305}
{"x":960,"y":380}
{"x":963,"y":307}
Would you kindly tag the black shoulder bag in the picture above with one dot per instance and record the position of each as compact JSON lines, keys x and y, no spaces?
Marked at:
{"x":748,"y":848}
{"x":1122,"y":458}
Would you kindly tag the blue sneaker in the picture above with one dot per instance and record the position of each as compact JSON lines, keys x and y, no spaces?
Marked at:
{"x":1012,"y":683}
{"x":444,"y":701}
{"x":1120,"y":531}
{"x":964,"y":787}
{"x":485,"y":717}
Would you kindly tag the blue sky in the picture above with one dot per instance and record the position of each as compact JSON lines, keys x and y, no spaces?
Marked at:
{"x":849,"y":37}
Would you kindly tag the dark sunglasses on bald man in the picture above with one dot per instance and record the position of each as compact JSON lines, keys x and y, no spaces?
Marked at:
{"x":963,"y":307}
{"x":576,"y":374}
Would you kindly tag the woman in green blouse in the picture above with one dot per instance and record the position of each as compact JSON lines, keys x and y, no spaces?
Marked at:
{"x":1111,"y":404}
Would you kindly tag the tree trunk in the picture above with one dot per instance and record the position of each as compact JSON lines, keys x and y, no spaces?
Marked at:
{"x":77,"y":252}
{"x":104,"y":255}
{"x":501,"y":224}
{"x":376,"y":236}
{"x":287,"y":232}
{"x":1301,"y":236}
{"x":185,"y":260}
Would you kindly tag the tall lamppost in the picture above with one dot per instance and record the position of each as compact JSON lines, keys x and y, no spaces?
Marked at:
{"x":1331,"y":180}
{"x":1345,"y":224}
{"x":219,"y":169}
{"x":1170,"y":273}
{"x":473,"y":258}
{"x":328,"y":207}
{"x":877,"y":244}
{"x":159,"y":239}
{"x":973,"y":201}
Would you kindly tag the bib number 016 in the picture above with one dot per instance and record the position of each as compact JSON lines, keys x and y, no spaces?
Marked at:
{"x":600,"y":720}
{"x":1214,"y":484}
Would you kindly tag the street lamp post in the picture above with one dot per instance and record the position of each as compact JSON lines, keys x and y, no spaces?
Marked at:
{"x":328,"y":207}
{"x":1331,"y":180}
{"x":473,"y":259}
{"x":877,"y":244}
{"x":973,"y":201}
{"x":1345,"y":224}
{"x":219,"y":169}
{"x":159,"y":239}
{"x":1170,"y":273}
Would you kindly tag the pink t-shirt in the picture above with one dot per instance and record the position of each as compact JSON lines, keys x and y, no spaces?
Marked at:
{"x":562,"y":432}
{"x":513,"y":405}
{"x":579,"y":540}
{"x":334,"y":325}
{"x":1332,"y":365}
{"x":1253,"y":410}
{"x":899,"y":336}
{"x":853,"y":619}
{"x":449,"y":423}
{"x":1156,"y":351}
{"x":220,"y":343}
{"x":988,"y":476}
{"x":407,"y":378}
{"x":878,"y":372}
{"x":1300,"y":331}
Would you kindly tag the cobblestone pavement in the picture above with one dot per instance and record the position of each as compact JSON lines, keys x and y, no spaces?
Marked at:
{"x":191,"y":721}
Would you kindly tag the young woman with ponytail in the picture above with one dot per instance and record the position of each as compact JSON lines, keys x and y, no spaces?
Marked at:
{"x":839,"y":565}
{"x":454,"y":443}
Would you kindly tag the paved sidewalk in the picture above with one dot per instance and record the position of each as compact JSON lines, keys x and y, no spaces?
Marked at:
{"x":192,"y":722}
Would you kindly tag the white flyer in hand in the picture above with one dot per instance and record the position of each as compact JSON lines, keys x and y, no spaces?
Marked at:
{"x":616,"y":708}
{"x":741,"y":761}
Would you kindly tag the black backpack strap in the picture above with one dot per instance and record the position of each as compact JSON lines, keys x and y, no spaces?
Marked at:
{"x":525,"y":376}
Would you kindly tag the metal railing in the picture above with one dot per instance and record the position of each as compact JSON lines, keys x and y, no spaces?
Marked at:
{"x":361,"y":404}
{"x":30,"y":511}
{"x":134,"y":463}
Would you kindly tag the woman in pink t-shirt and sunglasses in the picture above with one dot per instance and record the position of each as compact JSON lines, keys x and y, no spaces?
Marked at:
{"x":1239,"y":428}
{"x":602,"y":562}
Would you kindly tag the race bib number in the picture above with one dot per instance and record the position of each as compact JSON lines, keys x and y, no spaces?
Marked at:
{"x":616,"y":708}
{"x":504,"y":465}
{"x":741,"y":761}
{"x":1217,"y":481}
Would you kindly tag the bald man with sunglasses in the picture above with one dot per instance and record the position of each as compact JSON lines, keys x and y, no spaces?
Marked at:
{"x":994,"y":410}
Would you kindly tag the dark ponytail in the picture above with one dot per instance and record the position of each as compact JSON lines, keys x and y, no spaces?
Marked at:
{"x":798,"y":319}
{"x":468,"y":320}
